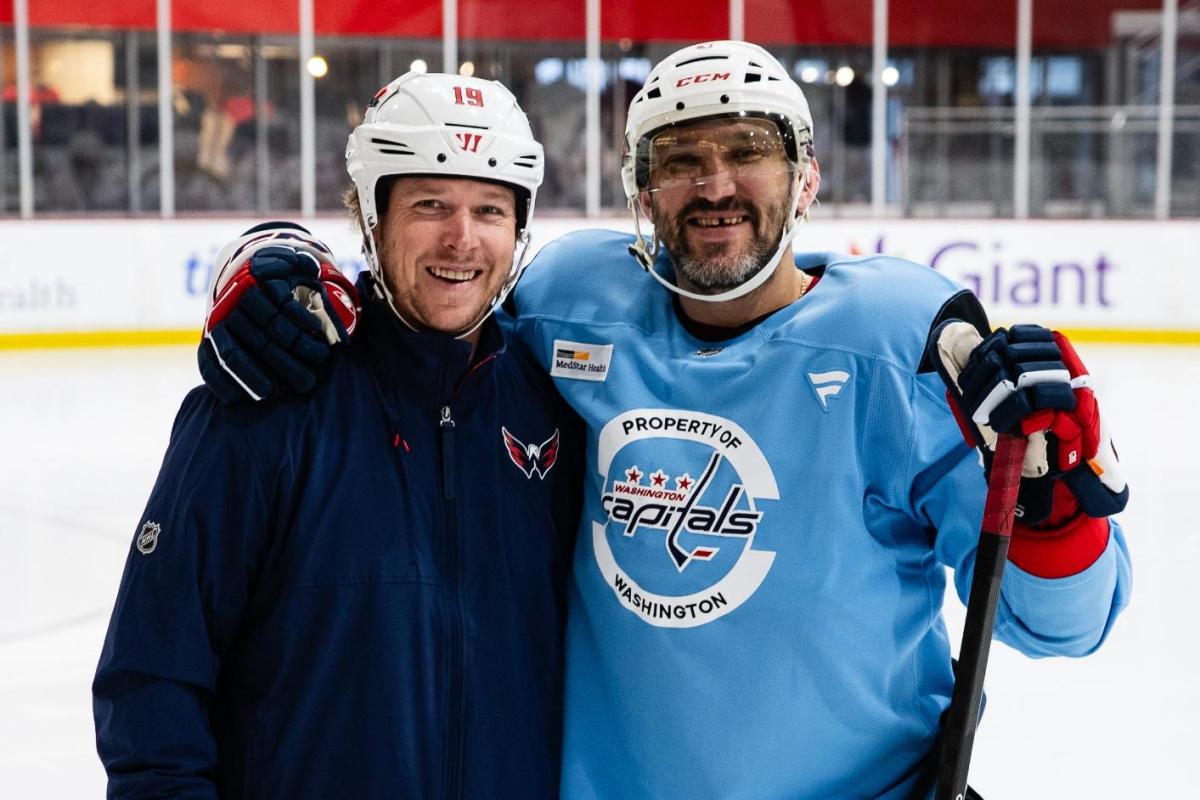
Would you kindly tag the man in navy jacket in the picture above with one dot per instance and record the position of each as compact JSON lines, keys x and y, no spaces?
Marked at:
{"x":361,"y":594}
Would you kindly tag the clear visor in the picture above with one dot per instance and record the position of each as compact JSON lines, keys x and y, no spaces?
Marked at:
{"x":703,"y":153}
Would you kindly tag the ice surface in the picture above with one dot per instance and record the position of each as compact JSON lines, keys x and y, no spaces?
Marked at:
{"x":82,"y":434}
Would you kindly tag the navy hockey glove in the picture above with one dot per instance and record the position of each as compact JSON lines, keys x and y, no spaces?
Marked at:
{"x":1030,"y":381}
{"x":276,"y":306}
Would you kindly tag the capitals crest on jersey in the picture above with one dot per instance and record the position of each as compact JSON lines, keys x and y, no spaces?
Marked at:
{"x":679,"y":510}
{"x":532,"y":459}
{"x":680,"y":498}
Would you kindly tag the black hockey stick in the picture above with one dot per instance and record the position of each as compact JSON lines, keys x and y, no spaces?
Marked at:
{"x":962,"y":718}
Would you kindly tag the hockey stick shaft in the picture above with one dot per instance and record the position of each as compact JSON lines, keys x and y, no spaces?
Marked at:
{"x":990,"y":559}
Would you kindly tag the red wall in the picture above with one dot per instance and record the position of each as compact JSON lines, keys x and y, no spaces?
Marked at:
{"x":664,"y":20}
{"x":209,"y":15}
{"x":912,"y":23}
{"x":418,"y":19}
{"x":520,"y":19}
{"x":925,"y":23}
{"x":776,"y":22}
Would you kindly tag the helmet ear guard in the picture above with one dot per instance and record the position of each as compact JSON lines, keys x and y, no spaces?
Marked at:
{"x":444,"y":126}
{"x":730,"y":79}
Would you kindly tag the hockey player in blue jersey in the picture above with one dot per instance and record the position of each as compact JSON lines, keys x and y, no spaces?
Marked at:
{"x":776,"y":482}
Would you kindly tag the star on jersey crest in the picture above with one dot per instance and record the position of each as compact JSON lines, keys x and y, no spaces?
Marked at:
{"x":660,"y":479}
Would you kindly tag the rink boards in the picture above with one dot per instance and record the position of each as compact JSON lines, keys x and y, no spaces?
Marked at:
{"x":71,"y":283}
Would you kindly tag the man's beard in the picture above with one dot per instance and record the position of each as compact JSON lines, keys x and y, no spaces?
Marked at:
{"x":708,"y":268}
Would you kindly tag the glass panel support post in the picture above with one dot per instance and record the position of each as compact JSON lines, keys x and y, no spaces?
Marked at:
{"x":166,"y":120}
{"x":24,"y":109}
{"x":1166,"y":109}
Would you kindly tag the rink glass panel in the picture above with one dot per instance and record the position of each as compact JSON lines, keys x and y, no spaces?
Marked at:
{"x":237,"y":122}
{"x":8,"y":114}
{"x":820,"y":43}
{"x":94,"y":120}
{"x":626,"y":65}
{"x":1094,"y":120}
{"x":951,"y":110}
{"x":541,"y":59}
{"x":1185,"y":164}
{"x":836,"y":84}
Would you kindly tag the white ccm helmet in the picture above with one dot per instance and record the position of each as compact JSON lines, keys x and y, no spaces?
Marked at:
{"x":445,"y":126}
{"x":714,"y":79}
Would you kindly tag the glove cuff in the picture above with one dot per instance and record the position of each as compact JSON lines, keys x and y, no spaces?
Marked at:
{"x":1062,"y":551}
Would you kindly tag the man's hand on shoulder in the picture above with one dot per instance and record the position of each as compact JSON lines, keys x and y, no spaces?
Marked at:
{"x":277,"y":304}
{"x":1029,"y":381}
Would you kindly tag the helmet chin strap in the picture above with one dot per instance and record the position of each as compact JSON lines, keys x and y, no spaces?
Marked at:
{"x":382,"y":289}
{"x":645,"y":255}
{"x":514,"y":275}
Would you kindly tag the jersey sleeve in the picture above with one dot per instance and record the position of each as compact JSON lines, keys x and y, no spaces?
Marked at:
{"x":1068,"y":616}
{"x":186,"y":584}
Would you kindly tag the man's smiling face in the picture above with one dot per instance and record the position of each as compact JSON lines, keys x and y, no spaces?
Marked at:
{"x":718,"y":196}
{"x":446,"y":247}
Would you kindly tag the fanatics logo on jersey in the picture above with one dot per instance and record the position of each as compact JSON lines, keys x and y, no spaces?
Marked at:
{"x":532,"y":459}
{"x":706,"y":565}
{"x":827,"y":385}
{"x":147,"y":538}
{"x":579,"y":360}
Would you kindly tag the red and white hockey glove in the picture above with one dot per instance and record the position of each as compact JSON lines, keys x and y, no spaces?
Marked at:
{"x":1029,"y":380}
{"x":276,"y":305}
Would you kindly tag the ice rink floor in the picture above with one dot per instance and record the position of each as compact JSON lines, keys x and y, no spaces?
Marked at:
{"x":82,"y":434}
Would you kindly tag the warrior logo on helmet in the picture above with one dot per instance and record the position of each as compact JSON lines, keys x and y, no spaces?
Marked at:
{"x":469,"y":142}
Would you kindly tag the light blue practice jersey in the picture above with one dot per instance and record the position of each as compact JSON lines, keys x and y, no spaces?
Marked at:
{"x":756,"y":602}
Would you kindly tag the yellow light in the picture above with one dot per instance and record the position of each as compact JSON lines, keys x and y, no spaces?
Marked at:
{"x":467,"y":69}
{"x":844,"y":76}
{"x":418,"y":65}
{"x":317,"y":66}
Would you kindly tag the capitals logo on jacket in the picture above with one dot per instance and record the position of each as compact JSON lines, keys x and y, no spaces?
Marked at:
{"x":532,"y":459}
{"x":681,"y":501}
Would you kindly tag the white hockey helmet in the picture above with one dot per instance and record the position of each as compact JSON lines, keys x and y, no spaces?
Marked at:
{"x":445,"y":126}
{"x":714,"y":79}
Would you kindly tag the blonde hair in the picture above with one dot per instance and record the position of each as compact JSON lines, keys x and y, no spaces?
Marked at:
{"x":354,"y":210}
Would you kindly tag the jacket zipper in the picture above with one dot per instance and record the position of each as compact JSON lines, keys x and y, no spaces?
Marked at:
{"x":454,"y":726}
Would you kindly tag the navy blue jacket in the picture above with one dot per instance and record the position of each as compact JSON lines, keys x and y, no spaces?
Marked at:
{"x":359,"y":593}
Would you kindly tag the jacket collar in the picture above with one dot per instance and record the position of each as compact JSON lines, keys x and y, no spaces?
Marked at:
{"x":419,"y":364}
